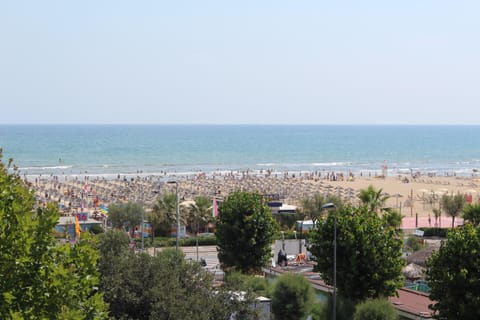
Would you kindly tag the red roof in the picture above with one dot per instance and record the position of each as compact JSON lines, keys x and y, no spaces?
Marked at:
{"x":412,"y":302}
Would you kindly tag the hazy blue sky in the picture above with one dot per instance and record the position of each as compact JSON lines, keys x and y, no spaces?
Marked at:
{"x":325,"y":62}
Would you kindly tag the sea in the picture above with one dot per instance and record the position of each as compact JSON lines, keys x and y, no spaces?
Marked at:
{"x":110,"y":151}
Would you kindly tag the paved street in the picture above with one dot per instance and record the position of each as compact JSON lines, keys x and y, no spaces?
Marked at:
{"x":209,"y":253}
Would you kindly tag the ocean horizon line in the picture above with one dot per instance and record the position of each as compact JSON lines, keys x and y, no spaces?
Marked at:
{"x":249,"y":124}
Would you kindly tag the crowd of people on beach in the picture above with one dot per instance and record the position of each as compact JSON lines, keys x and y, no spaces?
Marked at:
{"x":88,"y":192}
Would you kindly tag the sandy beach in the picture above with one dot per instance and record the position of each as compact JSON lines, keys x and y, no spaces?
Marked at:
{"x":411,"y":196}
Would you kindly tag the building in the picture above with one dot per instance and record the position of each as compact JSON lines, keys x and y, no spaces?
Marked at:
{"x":66,"y":225}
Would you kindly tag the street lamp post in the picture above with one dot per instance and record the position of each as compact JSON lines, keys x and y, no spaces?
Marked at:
{"x":142,"y":230}
{"x":177,"y":213}
{"x":141,"y":226}
{"x":332,"y":206}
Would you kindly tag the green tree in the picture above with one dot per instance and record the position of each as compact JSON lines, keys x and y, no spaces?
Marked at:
{"x":372,"y":198}
{"x":292,"y":297}
{"x":369,"y":259}
{"x":126,"y":215}
{"x":413,"y":243}
{"x":453,"y":275}
{"x":392,"y":219}
{"x":345,"y":309}
{"x":112,"y":244}
{"x":377,"y":309}
{"x":164,"y":213}
{"x":453,"y":205}
{"x":166,"y":207}
{"x":312,"y":207}
{"x":237,"y":281}
{"x":200,"y":213}
{"x":244,"y":229}
{"x":167,"y":286}
{"x":156,"y":222}
{"x":437,"y":213}
{"x":471,"y":214}
{"x":40,"y":278}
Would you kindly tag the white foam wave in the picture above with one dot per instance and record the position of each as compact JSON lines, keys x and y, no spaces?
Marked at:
{"x":46,"y":168}
{"x":330,"y":164}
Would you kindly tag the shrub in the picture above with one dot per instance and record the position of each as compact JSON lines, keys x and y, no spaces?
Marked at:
{"x":292,"y":297}
{"x":345,"y":309}
{"x":377,"y":309}
{"x":414,"y":243}
{"x":435,"y":232}
{"x":184,"y":242}
{"x":96,"y":229}
{"x":202,"y":241}
{"x":237,"y":281}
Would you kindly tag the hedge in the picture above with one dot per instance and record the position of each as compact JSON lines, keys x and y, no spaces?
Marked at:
{"x":435,"y":232}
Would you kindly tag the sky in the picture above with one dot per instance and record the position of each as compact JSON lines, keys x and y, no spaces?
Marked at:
{"x":240,"y":62}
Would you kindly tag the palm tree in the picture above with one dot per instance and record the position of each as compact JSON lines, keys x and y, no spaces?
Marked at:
{"x":156,"y":220}
{"x":453,"y":205}
{"x":163,"y":211}
{"x":471,"y":213}
{"x":200,"y":212}
{"x":437,"y":213}
{"x":393,"y":219}
{"x":373,"y":199}
{"x":312,"y":207}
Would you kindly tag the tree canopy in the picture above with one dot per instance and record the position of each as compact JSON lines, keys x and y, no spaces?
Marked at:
{"x":40,"y":278}
{"x":369,"y":259}
{"x":312,"y":207}
{"x":376,"y":309}
{"x":292,"y":297}
{"x":372,"y":198}
{"x":167,"y":286}
{"x":471,"y":214}
{"x":244,"y":229}
{"x":200,"y":212}
{"x":126,"y":215}
{"x":453,"y":274}
{"x":162,"y":215}
{"x":453,"y":205}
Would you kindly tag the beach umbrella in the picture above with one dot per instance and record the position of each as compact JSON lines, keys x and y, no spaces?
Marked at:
{"x":397,"y":195}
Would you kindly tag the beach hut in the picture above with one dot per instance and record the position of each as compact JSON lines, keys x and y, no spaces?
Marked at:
{"x":66,"y":225}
